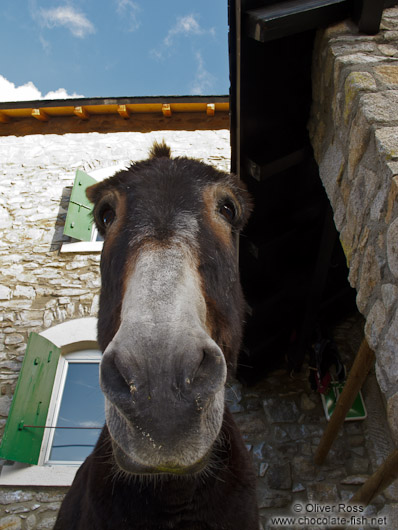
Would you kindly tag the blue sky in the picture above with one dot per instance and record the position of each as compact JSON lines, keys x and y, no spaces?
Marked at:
{"x":63,"y":48}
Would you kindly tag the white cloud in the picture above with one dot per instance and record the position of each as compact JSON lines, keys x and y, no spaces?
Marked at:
{"x":204,"y":80}
{"x":28,"y":91}
{"x":90,"y":424}
{"x":61,"y":93}
{"x":187,"y":25}
{"x":45,"y":44}
{"x":77,"y":23}
{"x":130,"y":10}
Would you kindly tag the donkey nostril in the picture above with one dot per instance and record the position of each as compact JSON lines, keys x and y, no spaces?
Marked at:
{"x":210,"y":370}
{"x":114,"y":385}
{"x":202,"y":360}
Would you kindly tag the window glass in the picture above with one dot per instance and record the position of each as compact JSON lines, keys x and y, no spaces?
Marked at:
{"x":97,"y":236}
{"x":82,"y":406}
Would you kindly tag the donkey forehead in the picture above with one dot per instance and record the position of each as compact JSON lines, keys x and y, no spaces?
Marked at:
{"x":166,"y":192}
{"x":171,"y":182}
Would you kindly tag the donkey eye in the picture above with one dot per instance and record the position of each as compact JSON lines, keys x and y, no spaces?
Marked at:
{"x":227,"y":209}
{"x":107,"y":216}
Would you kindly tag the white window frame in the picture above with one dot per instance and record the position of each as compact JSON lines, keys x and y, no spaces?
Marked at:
{"x":93,"y":245}
{"x":72,"y":336}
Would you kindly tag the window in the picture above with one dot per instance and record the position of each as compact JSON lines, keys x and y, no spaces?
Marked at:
{"x":57,"y":387}
{"x":79,"y":223}
{"x":77,"y":409}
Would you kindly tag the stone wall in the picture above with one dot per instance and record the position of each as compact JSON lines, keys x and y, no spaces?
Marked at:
{"x":354,"y":131}
{"x":39,"y":286}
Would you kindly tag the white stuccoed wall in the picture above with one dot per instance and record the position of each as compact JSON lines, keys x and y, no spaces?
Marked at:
{"x":39,"y":287}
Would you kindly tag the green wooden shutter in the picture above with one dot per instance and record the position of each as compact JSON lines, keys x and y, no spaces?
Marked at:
{"x":31,"y":401}
{"x":79,"y":221}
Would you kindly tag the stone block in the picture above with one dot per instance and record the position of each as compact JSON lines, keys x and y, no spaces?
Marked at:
{"x":355,"y":83}
{"x":49,"y":495}
{"x":357,"y":142}
{"x":11,"y":522}
{"x":369,"y":278}
{"x":342,"y":28}
{"x":5,"y":404}
{"x":272,"y":499}
{"x":330,"y":168}
{"x":370,"y":181}
{"x":392,"y":414}
{"x":31,"y":522}
{"x":24,"y":291}
{"x":358,"y":465}
{"x":278,"y":410}
{"x":322,"y":493}
{"x":5,"y":219}
{"x":390,"y":36}
{"x":379,"y":204}
{"x":392,"y":247}
{"x":252,"y":423}
{"x":389,"y":293}
{"x":391,"y":201}
{"x":12,"y":497}
{"x":339,"y":212}
{"x":47,"y":523}
{"x":345,"y":63}
{"x":14,"y":338}
{"x":5,"y":292}
{"x":303,"y":468}
{"x":388,"y":50}
{"x":279,"y":476}
{"x":377,"y":106}
{"x":355,"y":480}
{"x":387,"y":74}
{"x":375,"y":323}
{"x":387,"y":353}
{"x":387,"y":141}
{"x":94,"y":306}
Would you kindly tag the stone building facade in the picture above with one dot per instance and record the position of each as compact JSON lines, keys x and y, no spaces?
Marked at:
{"x":40,"y":286}
{"x":354,"y":130}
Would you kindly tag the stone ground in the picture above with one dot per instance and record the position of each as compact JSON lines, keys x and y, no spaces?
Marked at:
{"x":282,"y":420}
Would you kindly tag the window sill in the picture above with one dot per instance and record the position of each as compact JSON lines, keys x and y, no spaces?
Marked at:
{"x":19,"y":474}
{"x":82,"y":246}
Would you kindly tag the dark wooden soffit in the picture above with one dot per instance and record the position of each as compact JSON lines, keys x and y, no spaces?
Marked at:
{"x":114,"y":115}
{"x":273,"y":20}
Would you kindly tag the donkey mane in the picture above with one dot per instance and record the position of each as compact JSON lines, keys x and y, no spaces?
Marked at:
{"x":160,"y":150}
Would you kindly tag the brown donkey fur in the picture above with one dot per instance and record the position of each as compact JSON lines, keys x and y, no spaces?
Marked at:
{"x":170,"y":322}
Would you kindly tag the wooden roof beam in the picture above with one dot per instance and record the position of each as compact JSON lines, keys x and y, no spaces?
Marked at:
{"x":81,"y":113}
{"x":40,"y":115}
{"x":166,"y":110}
{"x":210,"y":109}
{"x":123,"y":111}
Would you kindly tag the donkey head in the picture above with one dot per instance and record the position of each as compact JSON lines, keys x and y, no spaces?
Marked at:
{"x":171,"y":308}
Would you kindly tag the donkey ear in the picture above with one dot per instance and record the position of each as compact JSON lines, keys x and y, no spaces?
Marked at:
{"x":245,"y":200}
{"x":160,"y":150}
{"x":94,"y":192}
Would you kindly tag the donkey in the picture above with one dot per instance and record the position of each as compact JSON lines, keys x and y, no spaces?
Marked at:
{"x":170,"y":321}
